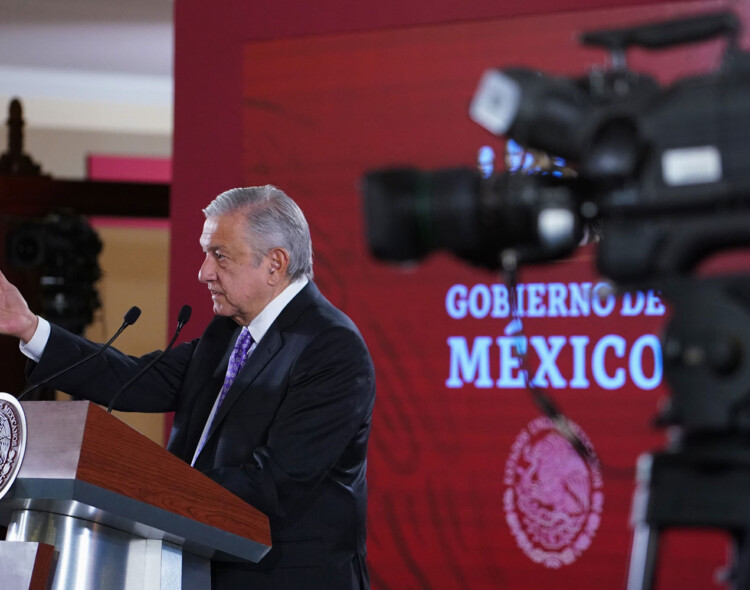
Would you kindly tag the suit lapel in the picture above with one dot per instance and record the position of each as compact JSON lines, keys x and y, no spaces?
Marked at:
{"x":204,"y":382}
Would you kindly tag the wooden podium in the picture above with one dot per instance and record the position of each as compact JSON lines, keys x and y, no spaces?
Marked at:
{"x":121,"y":512}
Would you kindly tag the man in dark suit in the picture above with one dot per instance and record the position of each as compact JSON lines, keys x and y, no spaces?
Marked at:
{"x":274,"y":401}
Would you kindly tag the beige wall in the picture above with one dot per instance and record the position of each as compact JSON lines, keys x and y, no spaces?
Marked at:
{"x":134,"y":262}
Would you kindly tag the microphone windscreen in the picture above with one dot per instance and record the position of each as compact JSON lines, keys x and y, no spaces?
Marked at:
{"x":132,"y":315}
{"x":184,"y":315}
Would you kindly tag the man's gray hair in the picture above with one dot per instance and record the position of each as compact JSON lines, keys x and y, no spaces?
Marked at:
{"x":273,"y":220}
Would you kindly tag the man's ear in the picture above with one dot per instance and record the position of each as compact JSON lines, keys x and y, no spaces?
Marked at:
{"x":278,"y":265}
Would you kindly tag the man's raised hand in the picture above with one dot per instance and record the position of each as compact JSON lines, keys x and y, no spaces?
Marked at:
{"x":16,"y":319}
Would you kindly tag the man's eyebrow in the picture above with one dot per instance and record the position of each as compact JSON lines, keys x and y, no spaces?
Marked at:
{"x":217,"y":249}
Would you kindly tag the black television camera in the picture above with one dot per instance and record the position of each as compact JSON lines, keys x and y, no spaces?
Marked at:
{"x":63,"y":249}
{"x":665,"y":170}
{"x":664,"y":175}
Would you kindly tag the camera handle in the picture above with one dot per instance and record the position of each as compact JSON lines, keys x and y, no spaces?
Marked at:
{"x":665,"y":34}
{"x":662,"y":34}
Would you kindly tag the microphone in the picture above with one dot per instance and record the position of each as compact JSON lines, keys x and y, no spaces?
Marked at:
{"x":129,"y":319}
{"x":182,"y":318}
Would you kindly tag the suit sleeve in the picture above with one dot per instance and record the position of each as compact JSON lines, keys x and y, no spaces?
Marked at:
{"x":320,"y":428}
{"x":97,"y":380}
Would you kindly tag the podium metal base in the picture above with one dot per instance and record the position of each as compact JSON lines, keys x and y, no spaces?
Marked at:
{"x":92,"y":556}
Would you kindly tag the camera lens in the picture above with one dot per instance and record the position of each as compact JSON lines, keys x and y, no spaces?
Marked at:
{"x":411,"y":213}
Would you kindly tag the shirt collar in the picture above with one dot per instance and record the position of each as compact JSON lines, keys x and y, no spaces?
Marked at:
{"x":260,"y":324}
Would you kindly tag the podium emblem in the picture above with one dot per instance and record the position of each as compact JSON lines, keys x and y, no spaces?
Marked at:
{"x":12,"y":440}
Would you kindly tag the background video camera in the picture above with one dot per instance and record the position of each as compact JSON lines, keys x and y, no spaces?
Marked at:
{"x":63,"y":249}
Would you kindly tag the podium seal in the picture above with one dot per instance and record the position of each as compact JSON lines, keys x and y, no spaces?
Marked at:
{"x":13,"y":435}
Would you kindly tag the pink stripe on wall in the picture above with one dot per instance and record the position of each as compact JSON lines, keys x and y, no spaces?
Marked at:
{"x":129,"y":168}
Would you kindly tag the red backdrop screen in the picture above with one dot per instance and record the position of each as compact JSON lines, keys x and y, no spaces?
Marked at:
{"x":469,"y":487}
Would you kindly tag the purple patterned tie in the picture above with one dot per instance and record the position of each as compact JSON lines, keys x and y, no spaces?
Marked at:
{"x":242,"y":348}
{"x":239,"y":355}
{"x":240,"y":352}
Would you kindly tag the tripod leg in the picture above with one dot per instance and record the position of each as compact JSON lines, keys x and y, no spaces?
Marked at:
{"x":643,"y":557}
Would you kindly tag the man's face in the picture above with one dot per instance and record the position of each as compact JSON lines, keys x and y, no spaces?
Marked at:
{"x":240,"y":289}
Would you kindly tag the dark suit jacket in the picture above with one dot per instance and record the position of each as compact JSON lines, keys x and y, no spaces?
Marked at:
{"x":290,"y":437}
